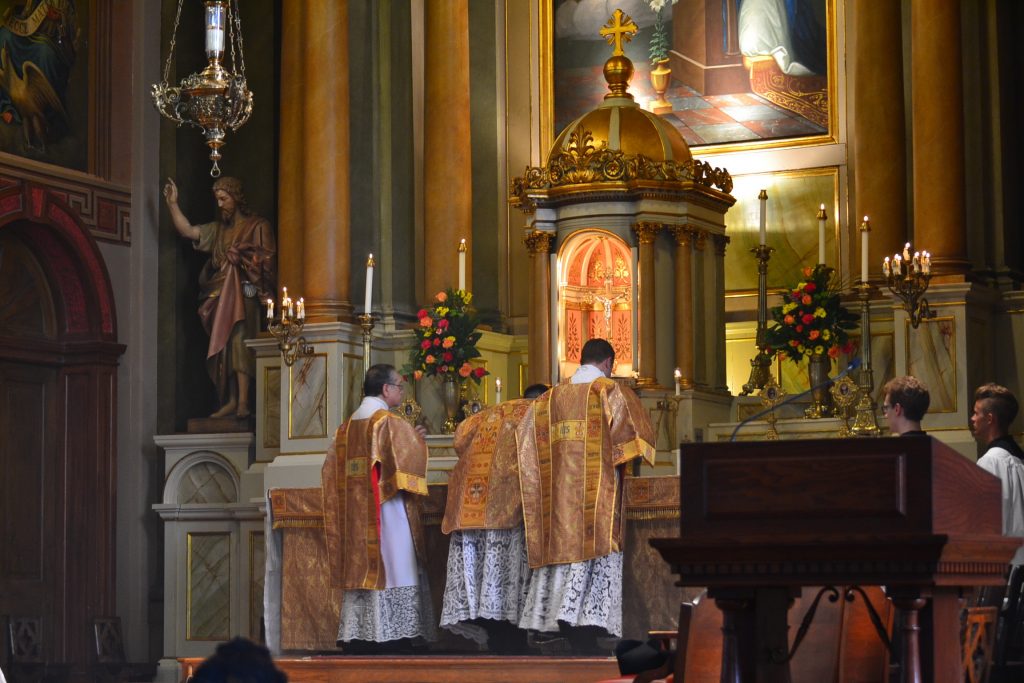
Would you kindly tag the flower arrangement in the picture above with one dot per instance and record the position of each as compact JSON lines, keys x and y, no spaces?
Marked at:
{"x":812,"y":320}
{"x":659,"y":39}
{"x":446,"y":338}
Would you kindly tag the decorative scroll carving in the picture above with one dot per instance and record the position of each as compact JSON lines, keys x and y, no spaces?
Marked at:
{"x":720,"y":243}
{"x":700,"y":239}
{"x":647,"y":232}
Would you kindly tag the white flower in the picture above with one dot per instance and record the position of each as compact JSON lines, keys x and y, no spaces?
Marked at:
{"x":658,"y":5}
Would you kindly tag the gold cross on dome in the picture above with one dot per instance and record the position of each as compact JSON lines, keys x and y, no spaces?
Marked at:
{"x":620,"y":28}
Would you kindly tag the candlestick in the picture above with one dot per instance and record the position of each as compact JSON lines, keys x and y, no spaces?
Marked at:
{"x":497,"y":390}
{"x":760,"y":365}
{"x":369,"y":284}
{"x":822,"y":217}
{"x":462,"y":264}
{"x":678,"y":375}
{"x":865,"y":229}
{"x":763,"y":196}
{"x":908,"y":280}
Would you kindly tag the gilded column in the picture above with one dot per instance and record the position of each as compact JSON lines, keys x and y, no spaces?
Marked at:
{"x":447,"y":183}
{"x":879,"y":145}
{"x":683,"y":237}
{"x":646,"y":233}
{"x":314,"y":224}
{"x":538,"y":243}
{"x":938,"y":134}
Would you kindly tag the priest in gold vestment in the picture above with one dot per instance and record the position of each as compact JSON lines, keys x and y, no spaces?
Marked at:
{"x":573,"y":446}
{"x":373,"y":477}
{"x":487,"y":568}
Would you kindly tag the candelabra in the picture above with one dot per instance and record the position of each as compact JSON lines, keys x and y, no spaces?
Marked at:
{"x":865,"y":423}
{"x":366,"y":322}
{"x":907,"y":277}
{"x":761,"y":364}
{"x":288,"y":329}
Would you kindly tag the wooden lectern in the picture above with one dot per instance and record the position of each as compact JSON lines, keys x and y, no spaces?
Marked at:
{"x":761,"y":519}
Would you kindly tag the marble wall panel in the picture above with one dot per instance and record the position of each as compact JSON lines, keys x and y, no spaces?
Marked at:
{"x":208,"y":603}
{"x":206,"y":482}
{"x":257,"y":567}
{"x":308,"y":405}
{"x":353,"y":373}
{"x":272,"y":407}
{"x":931,"y":357}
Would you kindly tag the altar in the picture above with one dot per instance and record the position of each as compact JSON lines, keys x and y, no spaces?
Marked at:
{"x":301,"y":609}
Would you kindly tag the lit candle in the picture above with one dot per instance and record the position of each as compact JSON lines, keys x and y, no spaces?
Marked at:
{"x":369,"y":284}
{"x":301,"y":309}
{"x":462,"y":264}
{"x":497,"y":390}
{"x":822,"y":217}
{"x":926,"y":263}
{"x":678,"y":374}
{"x":215,"y":29}
{"x":286,"y":303}
{"x":885,"y":267}
{"x":865,"y":228}
{"x":897,"y":265}
{"x":270,"y":309}
{"x":906,"y":251}
{"x":764,"y":215}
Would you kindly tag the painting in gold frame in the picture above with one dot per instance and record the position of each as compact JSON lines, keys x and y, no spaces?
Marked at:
{"x":794,"y":198}
{"x":734,"y":83}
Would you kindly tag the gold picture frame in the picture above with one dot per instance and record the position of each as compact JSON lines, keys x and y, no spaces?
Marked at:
{"x":543,"y":15}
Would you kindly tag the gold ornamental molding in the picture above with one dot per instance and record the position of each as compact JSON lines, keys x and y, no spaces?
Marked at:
{"x":582,"y":166}
{"x":647,"y":232}
{"x":538,"y":242}
{"x":721,"y":241}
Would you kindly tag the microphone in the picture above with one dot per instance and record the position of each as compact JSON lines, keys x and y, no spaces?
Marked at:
{"x":854,"y":364}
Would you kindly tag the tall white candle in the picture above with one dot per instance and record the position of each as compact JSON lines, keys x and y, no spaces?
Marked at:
{"x":822,"y":217}
{"x":678,"y":376}
{"x":462,"y":264}
{"x":763,"y":196}
{"x":497,"y":390}
{"x":865,"y":228}
{"x":369,"y":284}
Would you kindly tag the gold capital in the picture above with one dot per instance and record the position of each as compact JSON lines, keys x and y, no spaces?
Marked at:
{"x":682,"y":234}
{"x":538,"y":242}
{"x":646,"y":232}
{"x":620,"y":28}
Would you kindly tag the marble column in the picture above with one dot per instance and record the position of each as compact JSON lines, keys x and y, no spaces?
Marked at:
{"x":538,"y":244}
{"x":683,"y":237}
{"x":646,"y":233}
{"x":938,"y":134}
{"x":314,"y":199}
{"x":878,"y":144}
{"x":447,"y":162}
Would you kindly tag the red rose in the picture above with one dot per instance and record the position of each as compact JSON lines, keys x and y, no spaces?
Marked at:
{"x":437,"y":341}
{"x":799,"y":328}
{"x":479,"y":372}
{"x":443,"y":323}
{"x":847,"y":347}
{"x":808,"y":318}
{"x":422,"y":313}
{"x":810,"y":287}
{"x":425,"y":344}
{"x":448,"y":357}
{"x":444,"y":369}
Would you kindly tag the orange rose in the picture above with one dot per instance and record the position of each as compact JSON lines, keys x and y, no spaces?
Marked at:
{"x":465,"y":370}
{"x":806,"y":300}
{"x":814,"y":334}
{"x":425,"y":322}
{"x":441,"y":296}
{"x":788,"y":320}
{"x":833,"y":352}
{"x":430,"y":360}
{"x":417,"y":375}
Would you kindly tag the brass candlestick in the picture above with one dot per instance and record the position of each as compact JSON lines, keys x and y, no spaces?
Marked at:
{"x":366,"y":322}
{"x":761,"y":364}
{"x":865,"y":423}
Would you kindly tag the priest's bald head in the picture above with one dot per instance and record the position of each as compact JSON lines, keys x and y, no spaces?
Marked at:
{"x":600,"y":354}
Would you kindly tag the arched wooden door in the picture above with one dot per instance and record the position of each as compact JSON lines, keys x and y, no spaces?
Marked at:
{"x":58,"y":403}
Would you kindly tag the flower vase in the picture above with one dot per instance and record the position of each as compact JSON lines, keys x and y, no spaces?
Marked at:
{"x":451,"y":395}
{"x":818,"y":367}
{"x":661,"y":76}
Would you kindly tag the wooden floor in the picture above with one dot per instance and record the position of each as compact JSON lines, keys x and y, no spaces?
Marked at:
{"x":441,"y":669}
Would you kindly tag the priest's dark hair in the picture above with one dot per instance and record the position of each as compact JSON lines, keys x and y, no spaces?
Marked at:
{"x":376,"y":377}
{"x":596,"y":351}
{"x":239,"y":661}
{"x":999,"y":401}
{"x":535,"y":390}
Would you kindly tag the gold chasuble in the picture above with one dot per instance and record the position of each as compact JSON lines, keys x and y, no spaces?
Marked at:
{"x":368,"y":463}
{"x":571,"y":442}
{"x":483,"y":487}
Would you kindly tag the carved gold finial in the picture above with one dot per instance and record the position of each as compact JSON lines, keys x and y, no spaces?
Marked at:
{"x":462,"y":245}
{"x":763,"y":194}
{"x":620,"y":28}
{"x":370,"y":262}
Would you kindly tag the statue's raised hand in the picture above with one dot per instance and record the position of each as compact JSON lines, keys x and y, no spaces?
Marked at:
{"x":171,"y":192}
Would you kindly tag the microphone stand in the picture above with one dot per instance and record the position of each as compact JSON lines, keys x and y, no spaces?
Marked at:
{"x":854,"y":364}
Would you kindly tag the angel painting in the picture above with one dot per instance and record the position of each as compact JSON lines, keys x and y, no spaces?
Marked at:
{"x":38,"y":41}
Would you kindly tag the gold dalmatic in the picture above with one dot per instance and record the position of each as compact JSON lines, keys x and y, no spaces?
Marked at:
{"x":369,"y":462}
{"x":571,"y":443}
{"x":483,"y":487}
